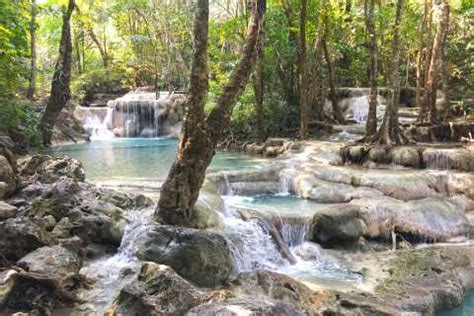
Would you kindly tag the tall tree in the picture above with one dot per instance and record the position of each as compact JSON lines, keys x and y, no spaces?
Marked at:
{"x":428,"y":113}
{"x":329,"y":65}
{"x":371,"y":126}
{"x":32,"y":84}
{"x":259,"y":86}
{"x":60,"y":90}
{"x":389,"y":132}
{"x":304,"y":113}
{"x":421,"y":50}
{"x":200,"y":135}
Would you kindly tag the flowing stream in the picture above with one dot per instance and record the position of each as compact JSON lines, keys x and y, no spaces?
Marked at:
{"x":144,"y":163}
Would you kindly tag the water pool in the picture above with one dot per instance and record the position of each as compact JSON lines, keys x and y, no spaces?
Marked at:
{"x":139,"y":159}
{"x":466,"y":309}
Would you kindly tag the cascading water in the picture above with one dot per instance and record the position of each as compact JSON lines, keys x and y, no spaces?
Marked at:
{"x":112,"y":273}
{"x":136,"y":114}
{"x":97,"y":121}
{"x":355,"y":105}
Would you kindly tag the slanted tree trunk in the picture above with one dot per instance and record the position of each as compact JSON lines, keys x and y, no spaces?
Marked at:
{"x":102,"y":48}
{"x":436,"y":60}
{"x":389,"y":132}
{"x":32,"y":84}
{"x":371,"y":125}
{"x":259,"y":87}
{"x":304,"y":115}
{"x":200,"y":135}
{"x":60,"y":90}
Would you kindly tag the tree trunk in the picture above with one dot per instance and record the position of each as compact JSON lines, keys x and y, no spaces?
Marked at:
{"x":304,"y":115}
{"x":32,"y":83}
{"x":102,"y":49}
{"x":60,"y":90}
{"x":371,"y":126}
{"x":389,"y":133}
{"x":200,"y":135}
{"x":433,"y":72}
{"x":332,"y":78}
{"x":259,"y":87}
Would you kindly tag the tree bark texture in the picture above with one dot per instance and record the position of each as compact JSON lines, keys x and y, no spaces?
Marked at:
{"x":200,"y":135}
{"x":303,"y":87}
{"x":429,"y":113}
{"x":259,"y":87}
{"x":371,"y":125}
{"x":60,"y":90}
{"x":329,"y":65}
{"x":32,"y":84}
{"x":389,"y":132}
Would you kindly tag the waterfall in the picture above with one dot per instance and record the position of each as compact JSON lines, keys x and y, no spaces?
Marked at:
{"x":136,"y":114}
{"x":114,"y":272}
{"x":97,"y":121}
{"x":251,"y":244}
{"x":355,"y":105}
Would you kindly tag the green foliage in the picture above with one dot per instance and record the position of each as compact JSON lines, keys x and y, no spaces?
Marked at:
{"x":19,"y":120}
{"x":102,"y":80}
{"x":13,"y":45}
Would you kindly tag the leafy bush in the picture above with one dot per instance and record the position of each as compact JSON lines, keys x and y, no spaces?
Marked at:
{"x":102,"y":80}
{"x":19,"y":120}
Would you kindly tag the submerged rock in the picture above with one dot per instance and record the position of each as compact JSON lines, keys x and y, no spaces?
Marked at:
{"x":158,"y":290}
{"x":202,"y":257}
{"x":249,"y":306}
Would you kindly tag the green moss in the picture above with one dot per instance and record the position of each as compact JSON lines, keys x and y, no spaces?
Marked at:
{"x":408,"y":265}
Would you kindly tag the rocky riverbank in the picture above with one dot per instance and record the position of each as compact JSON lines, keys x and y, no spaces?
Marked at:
{"x":70,"y":247}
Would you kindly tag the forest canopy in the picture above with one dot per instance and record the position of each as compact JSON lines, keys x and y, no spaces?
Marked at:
{"x":118,"y":45}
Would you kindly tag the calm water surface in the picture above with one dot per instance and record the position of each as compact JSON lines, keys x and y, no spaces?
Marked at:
{"x":141,"y":159}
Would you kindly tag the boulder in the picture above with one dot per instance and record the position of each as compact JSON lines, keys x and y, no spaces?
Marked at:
{"x":461,"y":183}
{"x":430,"y":219}
{"x":7,"y":211}
{"x":55,"y":263}
{"x":328,"y":192}
{"x":406,"y":156}
{"x":273,"y":151}
{"x":202,"y":257}
{"x":402,"y":185}
{"x":249,"y":306}
{"x":207,"y":210}
{"x":19,"y":236}
{"x":338,"y":223}
{"x":49,"y":169}
{"x":57,"y":200}
{"x":30,"y":293}
{"x":379,"y":154}
{"x":7,"y":177}
{"x":275,"y":286}
{"x":158,"y":290}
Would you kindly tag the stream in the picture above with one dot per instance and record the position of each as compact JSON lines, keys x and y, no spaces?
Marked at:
{"x":142,"y":164}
